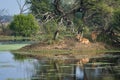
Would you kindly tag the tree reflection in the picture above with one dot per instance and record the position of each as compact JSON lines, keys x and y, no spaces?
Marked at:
{"x":19,"y":57}
{"x":82,"y":69}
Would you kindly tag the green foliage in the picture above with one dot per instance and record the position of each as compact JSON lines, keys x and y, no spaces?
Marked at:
{"x":116,"y":18}
{"x":24,"y":25}
{"x":40,"y":6}
{"x":50,"y":27}
{"x":115,"y":25}
{"x":99,"y":14}
{"x":112,"y":33}
{"x":77,"y":20}
{"x":90,"y":13}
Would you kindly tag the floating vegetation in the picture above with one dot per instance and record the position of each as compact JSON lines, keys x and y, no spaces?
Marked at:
{"x":8,"y":47}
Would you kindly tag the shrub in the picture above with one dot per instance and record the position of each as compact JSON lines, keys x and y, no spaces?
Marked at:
{"x":24,"y":25}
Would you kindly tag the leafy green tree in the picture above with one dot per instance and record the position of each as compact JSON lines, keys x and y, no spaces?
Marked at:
{"x":111,"y":35}
{"x":50,"y":27}
{"x":90,"y":13}
{"x":24,"y":25}
{"x":114,"y":29}
{"x":38,"y":7}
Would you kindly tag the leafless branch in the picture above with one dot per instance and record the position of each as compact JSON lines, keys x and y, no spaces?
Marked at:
{"x":22,"y":7}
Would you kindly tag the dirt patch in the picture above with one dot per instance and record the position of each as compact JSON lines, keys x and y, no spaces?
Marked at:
{"x":66,"y":44}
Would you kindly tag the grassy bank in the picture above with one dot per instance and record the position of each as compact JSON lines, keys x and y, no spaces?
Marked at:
{"x":8,"y":43}
{"x":63,"y":54}
{"x":7,"y":38}
{"x":64,"y":47}
{"x":9,"y":47}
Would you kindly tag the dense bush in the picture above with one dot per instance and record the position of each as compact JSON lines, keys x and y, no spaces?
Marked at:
{"x":115,"y":28}
{"x":112,"y":34}
{"x":50,"y":27}
{"x":24,"y":25}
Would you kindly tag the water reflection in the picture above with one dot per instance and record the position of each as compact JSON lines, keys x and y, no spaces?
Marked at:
{"x":17,"y":67}
{"x":103,"y":68}
{"x":13,"y":69}
{"x":79,"y":73}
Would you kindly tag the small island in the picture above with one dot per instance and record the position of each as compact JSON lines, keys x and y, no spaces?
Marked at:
{"x":55,"y":28}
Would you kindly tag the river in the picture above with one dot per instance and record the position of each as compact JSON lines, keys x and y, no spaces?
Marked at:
{"x":17,"y":67}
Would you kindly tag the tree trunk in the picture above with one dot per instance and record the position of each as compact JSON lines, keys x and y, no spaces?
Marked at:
{"x":56,"y":35}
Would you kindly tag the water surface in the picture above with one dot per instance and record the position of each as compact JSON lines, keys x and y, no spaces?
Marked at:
{"x":17,"y":67}
{"x":12,"y":68}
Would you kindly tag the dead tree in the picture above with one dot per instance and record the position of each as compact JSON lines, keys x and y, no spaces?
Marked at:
{"x":22,"y":6}
{"x":2,"y":24}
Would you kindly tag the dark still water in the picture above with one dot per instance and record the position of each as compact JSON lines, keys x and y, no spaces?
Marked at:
{"x":17,"y":67}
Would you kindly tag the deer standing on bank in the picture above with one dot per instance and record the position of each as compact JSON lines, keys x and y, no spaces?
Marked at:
{"x":94,"y":35}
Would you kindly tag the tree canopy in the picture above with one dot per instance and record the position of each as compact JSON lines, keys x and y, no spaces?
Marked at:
{"x":76,"y":13}
{"x":91,"y":12}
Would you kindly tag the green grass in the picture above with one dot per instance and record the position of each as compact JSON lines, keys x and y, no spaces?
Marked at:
{"x":8,"y":47}
{"x":4,"y":38}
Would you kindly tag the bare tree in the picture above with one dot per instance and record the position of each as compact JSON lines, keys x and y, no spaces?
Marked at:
{"x":22,"y":6}
{"x":2,"y":12}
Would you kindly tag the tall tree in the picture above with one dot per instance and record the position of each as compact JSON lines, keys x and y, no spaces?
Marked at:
{"x":113,"y":30}
{"x":67,"y":10}
{"x":86,"y":12}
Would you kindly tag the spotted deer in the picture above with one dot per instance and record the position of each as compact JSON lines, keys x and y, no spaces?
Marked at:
{"x":94,"y":35}
{"x":82,"y":40}
{"x":78,"y":37}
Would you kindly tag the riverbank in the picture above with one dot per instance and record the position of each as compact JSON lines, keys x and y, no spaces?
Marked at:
{"x":66,"y":44}
{"x":68,"y":48}
{"x":13,"y":38}
{"x":8,"y":43}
